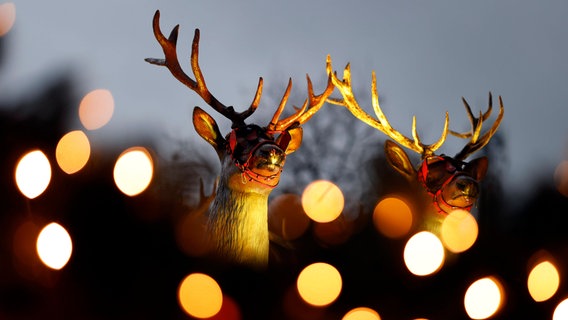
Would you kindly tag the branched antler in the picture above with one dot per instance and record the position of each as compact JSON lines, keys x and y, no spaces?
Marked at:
{"x":198,"y":85}
{"x":476,"y":143}
{"x":381,"y":123}
{"x":311,"y":105}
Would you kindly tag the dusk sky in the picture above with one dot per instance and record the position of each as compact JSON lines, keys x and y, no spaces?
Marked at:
{"x":427,"y":55}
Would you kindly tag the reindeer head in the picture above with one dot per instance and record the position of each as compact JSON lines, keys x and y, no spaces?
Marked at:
{"x":451,"y":182}
{"x":252,"y":156}
{"x":258,"y":153}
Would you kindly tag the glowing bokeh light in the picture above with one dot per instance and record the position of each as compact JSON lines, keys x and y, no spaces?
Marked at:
{"x":24,"y":247}
{"x":543,"y":281}
{"x":54,"y":246}
{"x":192,"y":234}
{"x":73,"y":151}
{"x":334,"y":232}
{"x":7,"y":17}
{"x":323,"y":201}
{"x":200,"y":295}
{"x":33,"y":174}
{"x":319,"y":284}
{"x":483,"y":298}
{"x":96,"y":109}
{"x":361,"y":313}
{"x":133,"y":171}
{"x":424,"y":254}
{"x":561,"y":178}
{"x":286,"y":217}
{"x":561,"y":311}
{"x":229,"y":310}
{"x":392,"y":217}
{"x":459,"y":231}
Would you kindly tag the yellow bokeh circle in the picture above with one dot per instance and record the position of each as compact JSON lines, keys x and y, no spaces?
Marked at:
{"x":543,"y":281}
{"x":323,"y":201}
{"x":361,"y":313}
{"x":200,"y":295}
{"x":54,"y":246}
{"x":483,"y":298}
{"x":561,"y":310}
{"x":459,"y":231}
{"x":424,"y":254}
{"x":392,"y":217}
{"x":73,"y":151}
{"x":133,"y":171}
{"x":319,"y":284}
{"x":33,"y":174}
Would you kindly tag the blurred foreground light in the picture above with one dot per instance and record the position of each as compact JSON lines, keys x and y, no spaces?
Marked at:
{"x":483,"y":298}
{"x":392,"y":217}
{"x":543,"y":281}
{"x":7,"y":17}
{"x":459,"y":231}
{"x":192,"y":234}
{"x":286,"y":217}
{"x":54,"y":246}
{"x":423,"y":254}
{"x":229,"y":310}
{"x":133,"y":171}
{"x":361,"y":313}
{"x":73,"y":151}
{"x":319,"y":284}
{"x":561,"y":311}
{"x":335,"y":232}
{"x":96,"y":109}
{"x":323,"y":201}
{"x":200,"y":296}
{"x":33,"y":173}
{"x":24,"y":244}
{"x":561,"y":178}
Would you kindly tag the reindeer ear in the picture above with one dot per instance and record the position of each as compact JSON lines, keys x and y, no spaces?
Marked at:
{"x":207,"y":128}
{"x":399,"y":160}
{"x":478,"y":168}
{"x":295,"y":139}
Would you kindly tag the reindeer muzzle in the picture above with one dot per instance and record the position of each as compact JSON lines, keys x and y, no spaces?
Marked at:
{"x":263,"y":162}
{"x":461,"y":192}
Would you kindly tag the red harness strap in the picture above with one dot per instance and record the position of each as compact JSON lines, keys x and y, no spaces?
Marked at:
{"x":247,"y":173}
{"x":442,"y":206}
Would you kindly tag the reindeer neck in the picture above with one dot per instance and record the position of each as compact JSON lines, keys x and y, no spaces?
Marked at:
{"x":238,"y":221}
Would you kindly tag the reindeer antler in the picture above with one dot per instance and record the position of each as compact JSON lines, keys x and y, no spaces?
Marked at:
{"x":198,"y":85}
{"x":381,"y":123}
{"x":311,"y":105}
{"x":476,"y":142}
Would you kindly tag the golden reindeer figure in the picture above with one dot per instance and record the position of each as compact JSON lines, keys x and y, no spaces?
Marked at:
{"x":451,"y":182}
{"x":251,"y":156}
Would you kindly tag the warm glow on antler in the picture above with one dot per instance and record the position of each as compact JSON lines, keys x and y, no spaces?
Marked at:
{"x":381,"y":123}
{"x":311,"y":105}
{"x":476,"y":143}
{"x":198,"y":85}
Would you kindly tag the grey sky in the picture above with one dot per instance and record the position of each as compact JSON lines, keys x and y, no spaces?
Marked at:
{"x":427,"y":54}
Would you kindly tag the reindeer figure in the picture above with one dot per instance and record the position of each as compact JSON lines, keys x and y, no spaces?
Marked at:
{"x":450,"y":182}
{"x":251,"y":156}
